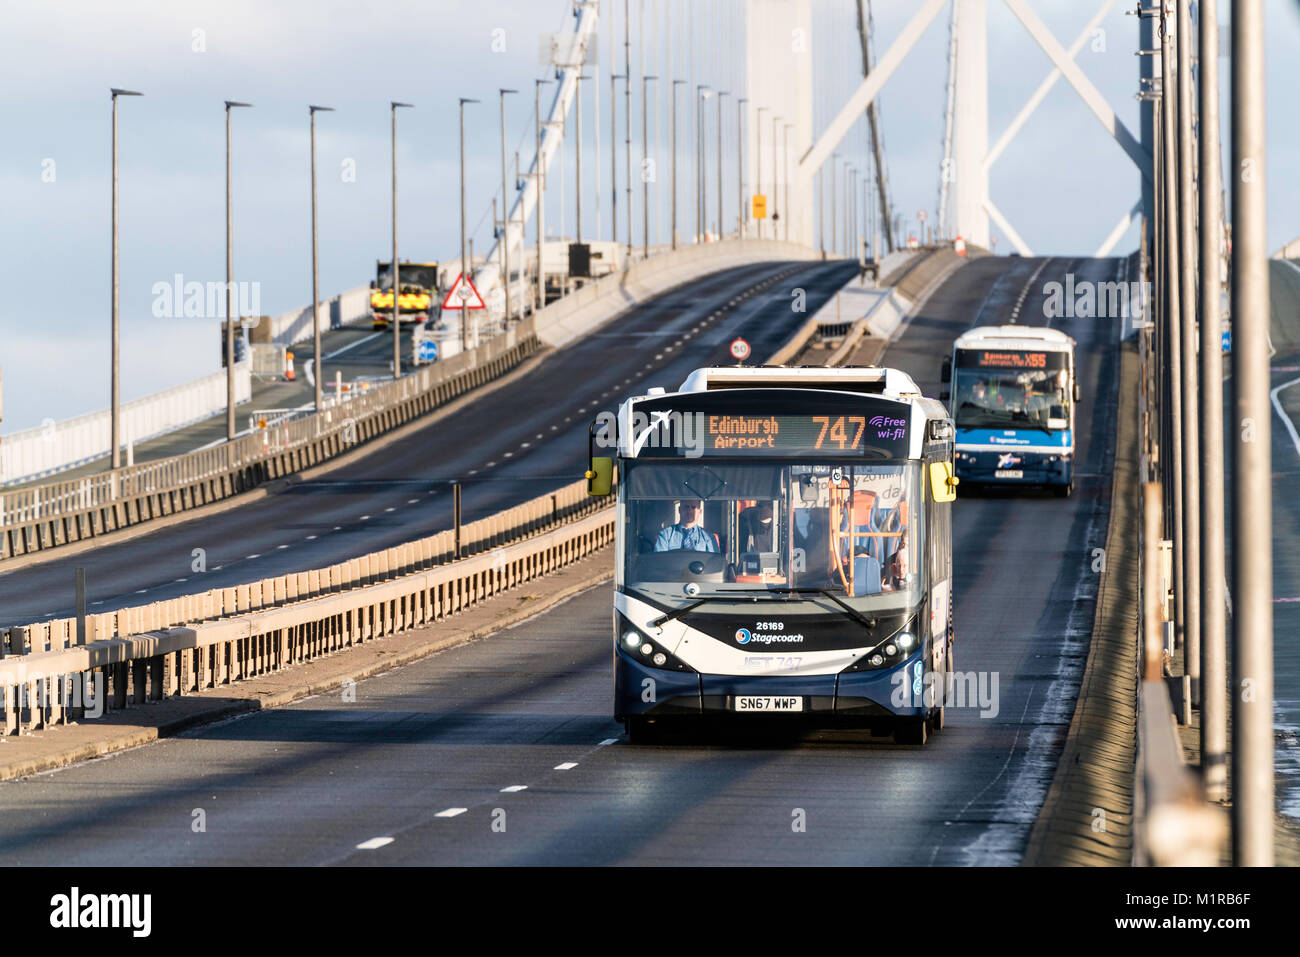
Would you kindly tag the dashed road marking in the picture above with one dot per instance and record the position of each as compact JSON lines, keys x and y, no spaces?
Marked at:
{"x":513,"y":788}
{"x":374,"y":843}
{"x":566,"y":766}
{"x":451,"y":812}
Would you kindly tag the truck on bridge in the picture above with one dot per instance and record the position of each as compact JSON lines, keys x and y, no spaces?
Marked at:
{"x":415,"y":298}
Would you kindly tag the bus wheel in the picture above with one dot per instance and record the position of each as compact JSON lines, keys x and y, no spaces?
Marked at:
{"x":912,"y":731}
{"x":641,"y":731}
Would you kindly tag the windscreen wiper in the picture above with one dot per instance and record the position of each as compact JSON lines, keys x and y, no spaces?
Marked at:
{"x":738,"y":598}
{"x":827,"y":593}
{"x":676,"y":613}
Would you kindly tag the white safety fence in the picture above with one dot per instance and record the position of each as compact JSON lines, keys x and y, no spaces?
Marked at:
{"x":58,"y":446}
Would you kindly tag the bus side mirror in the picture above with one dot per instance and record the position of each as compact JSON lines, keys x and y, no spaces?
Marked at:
{"x":373,"y":284}
{"x":945,"y":371}
{"x":1076,"y":392}
{"x":600,"y":476}
{"x":943,"y":483}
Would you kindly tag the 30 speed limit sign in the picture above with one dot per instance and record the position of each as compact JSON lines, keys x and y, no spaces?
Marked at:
{"x":739,"y":350}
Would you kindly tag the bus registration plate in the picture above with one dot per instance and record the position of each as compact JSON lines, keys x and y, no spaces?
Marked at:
{"x":768,"y":703}
{"x":1009,"y":473}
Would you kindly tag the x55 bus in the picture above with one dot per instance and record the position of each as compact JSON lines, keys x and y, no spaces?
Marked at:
{"x":783,"y":549}
{"x":1013,"y":402}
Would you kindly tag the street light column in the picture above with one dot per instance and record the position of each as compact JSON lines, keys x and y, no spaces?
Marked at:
{"x":230,"y":285}
{"x":116,"y":415}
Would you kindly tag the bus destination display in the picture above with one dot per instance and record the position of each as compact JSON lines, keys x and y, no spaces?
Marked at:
{"x":1003,"y":359}
{"x":799,"y":434}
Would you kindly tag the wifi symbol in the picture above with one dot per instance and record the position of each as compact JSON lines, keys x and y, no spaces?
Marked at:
{"x":878,"y":420}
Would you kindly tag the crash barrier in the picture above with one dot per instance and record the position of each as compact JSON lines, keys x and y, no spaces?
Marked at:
{"x":44,"y":516}
{"x":186,"y":645}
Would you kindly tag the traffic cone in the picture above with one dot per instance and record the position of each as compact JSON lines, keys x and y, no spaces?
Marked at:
{"x":288,"y":366}
{"x":959,"y":246}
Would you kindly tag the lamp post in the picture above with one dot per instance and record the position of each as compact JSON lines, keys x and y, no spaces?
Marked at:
{"x":541,"y":192}
{"x":721,"y":94}
{"x":645,"y":180}
{"x":465,"y":268}
{"x":116,"y":416}
{"x":318,"y":360}
{"x":702,"y":93}
{"x":758,"y":156}
{"x":776,"y":214}
{"x":230,"y":285}
{"x":742,"y":214}
{"x":505,"y":209}
{"x":785,"y":169}
{"x":394,"y":106}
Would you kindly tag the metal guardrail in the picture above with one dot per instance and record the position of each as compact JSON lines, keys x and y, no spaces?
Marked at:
{"x":291,"y":619}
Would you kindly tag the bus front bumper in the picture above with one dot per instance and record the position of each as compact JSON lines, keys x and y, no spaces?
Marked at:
{"x":642,"y":690}
{"x":1021,"y":468}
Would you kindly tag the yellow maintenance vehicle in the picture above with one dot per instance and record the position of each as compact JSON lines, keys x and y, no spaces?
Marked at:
{"x":416,"y":298}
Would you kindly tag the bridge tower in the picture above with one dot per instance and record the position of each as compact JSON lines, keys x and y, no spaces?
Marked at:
{"x":970,"y":174}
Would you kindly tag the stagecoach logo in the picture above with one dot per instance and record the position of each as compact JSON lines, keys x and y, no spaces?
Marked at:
{"x":743,"y":636}
{"x":1007,"y":459}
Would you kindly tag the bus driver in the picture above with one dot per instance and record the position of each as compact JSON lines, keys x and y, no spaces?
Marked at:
{"x":688,"y":534}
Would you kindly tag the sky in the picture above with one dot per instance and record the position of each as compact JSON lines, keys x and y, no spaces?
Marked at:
{"x":1063,"y":183}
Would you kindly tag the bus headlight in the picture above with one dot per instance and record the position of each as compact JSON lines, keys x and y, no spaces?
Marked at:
{"x":889,"y":651}
{"x":643,"y":649}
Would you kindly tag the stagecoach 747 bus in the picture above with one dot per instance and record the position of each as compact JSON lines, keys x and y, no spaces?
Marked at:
{"x":1013,"y":399}
{"x":783,"y":548}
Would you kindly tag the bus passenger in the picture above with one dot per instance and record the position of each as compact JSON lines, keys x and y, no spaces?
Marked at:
{"x":688,"y":534}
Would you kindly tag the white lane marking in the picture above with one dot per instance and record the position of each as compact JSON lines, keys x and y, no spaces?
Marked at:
{"x":141,"y":591}
{"x":513,"y":788}
{"x":390,"y":509}
{"x":1286,"y":419}
{"x":279,"y":547}
{"x":607,"y":741}
{"x":365,"y":518}
{"x":179,"y":580}
{"x":374,"y":843}
{"x":567,"y":765}
{"x":352,"y":345}
{"x":337,"y":528}
{"x":309,"y":538}
{"x":100,"y":602}
{"x":254,"y":555}
{"x":411,"y":501}
{"x":451,"y":812}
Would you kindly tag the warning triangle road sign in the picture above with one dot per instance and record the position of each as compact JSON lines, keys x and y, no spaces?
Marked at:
{"x":463,"y":295}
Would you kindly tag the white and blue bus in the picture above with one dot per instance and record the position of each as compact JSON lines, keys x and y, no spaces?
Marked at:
{"x":1013,"y":397}
{"x":783,"y":549}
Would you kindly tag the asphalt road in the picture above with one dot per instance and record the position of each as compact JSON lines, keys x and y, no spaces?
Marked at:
{"x":524,"y":439}
{"x":502,"y":751}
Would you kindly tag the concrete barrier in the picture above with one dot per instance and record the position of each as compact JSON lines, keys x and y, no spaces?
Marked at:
{"x":148,"y":661}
